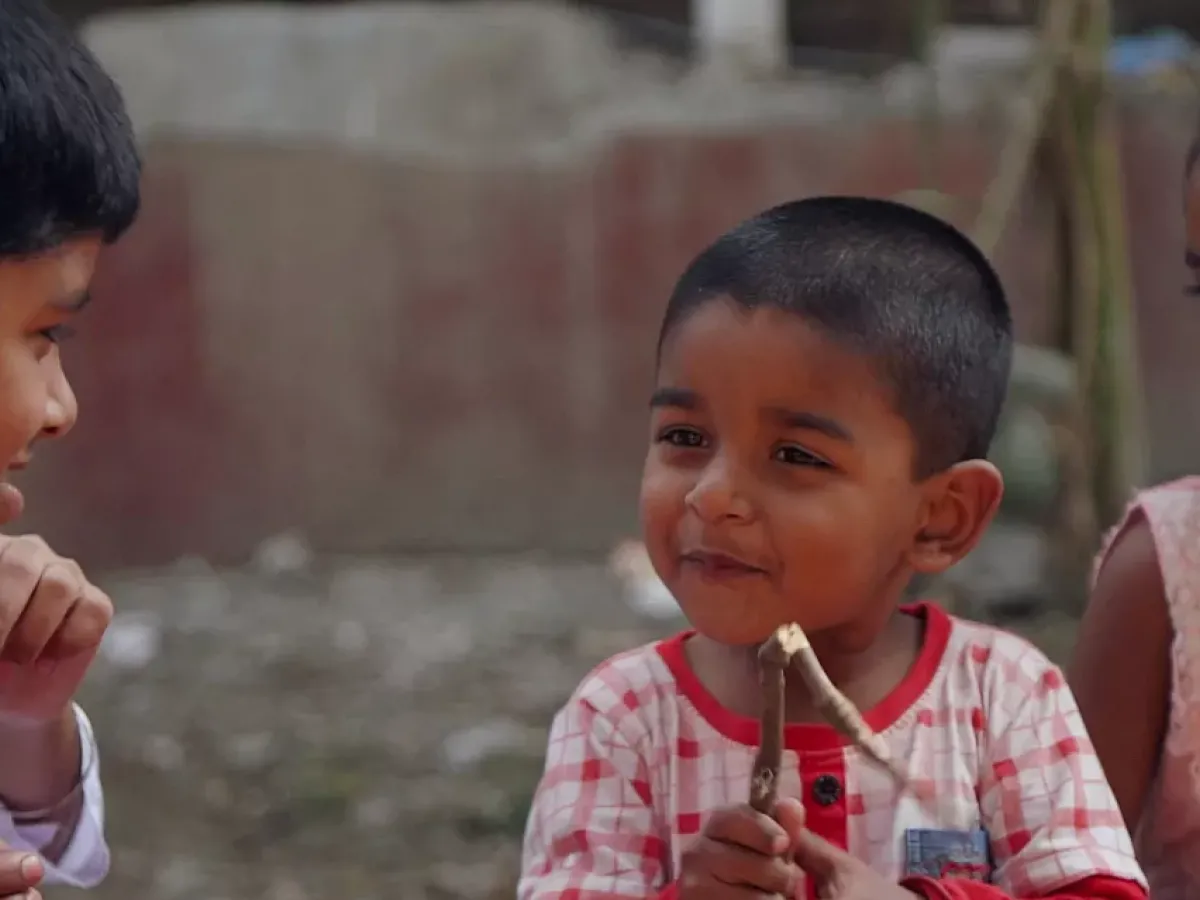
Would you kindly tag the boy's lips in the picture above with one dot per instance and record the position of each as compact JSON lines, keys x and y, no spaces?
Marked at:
{"x":718,"y":564}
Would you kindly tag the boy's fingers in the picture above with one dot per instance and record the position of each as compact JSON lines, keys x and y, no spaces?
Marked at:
{"x":816,"y":856}
{"x":84,"y":625}
{"x":46,"y":612}
{"x":12,"y":503}
{"x":744,"y":827}
{"x":789,"y":813}
{"x":737,"y":866}
{"x":22,"y":562}
{"x":19,"y":872}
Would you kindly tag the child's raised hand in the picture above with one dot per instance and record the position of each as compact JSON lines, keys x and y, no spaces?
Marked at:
{"x":51,"y":622}
{"x":741,"y":855}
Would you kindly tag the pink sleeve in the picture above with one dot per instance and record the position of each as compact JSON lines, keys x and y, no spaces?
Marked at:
{"x":593,"y":833}
{"x":1043,"y":797}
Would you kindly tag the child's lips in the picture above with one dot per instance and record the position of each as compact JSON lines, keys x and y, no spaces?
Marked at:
{"x":717,"y":564}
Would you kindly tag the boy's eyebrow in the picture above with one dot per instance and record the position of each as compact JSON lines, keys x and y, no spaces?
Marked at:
{"x":74,"y":302}
{"x":680,"y":398}
{"x":807,"y":421}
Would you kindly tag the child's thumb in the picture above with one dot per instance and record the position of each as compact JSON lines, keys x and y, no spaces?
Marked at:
{"x":789,"y":813}
{"x":818,"y":858}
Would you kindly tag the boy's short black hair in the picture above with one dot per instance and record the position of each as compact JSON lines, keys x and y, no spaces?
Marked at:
{"x":899,"y":285}
{"x":69,"y":164}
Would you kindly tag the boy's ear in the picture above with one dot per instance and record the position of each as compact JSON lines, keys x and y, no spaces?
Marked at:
{"x":959,"y":505}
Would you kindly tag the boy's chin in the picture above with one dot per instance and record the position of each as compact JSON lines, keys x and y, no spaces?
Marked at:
{"x":733,"y":631}
{"x":746,"y":624}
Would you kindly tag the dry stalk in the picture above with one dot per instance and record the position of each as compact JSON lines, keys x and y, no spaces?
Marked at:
{"x":789,"y":646}
{"x":774,"y":657}
{"x":1029,"y":123}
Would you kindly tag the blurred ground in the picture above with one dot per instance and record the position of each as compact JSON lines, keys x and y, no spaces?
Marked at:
{"x":351,"y":729}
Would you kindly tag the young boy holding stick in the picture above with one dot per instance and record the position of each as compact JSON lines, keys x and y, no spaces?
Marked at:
{"x":829,"y":378}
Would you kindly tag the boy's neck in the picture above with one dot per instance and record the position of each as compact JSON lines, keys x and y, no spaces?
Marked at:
{"x":865,"y":675}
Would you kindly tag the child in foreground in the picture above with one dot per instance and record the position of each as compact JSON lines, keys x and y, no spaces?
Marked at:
{"x":1136,"y":666}
{"x":69,"y":173}
{"x":829,"y":378}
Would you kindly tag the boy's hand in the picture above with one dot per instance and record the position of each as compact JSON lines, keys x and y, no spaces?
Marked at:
{"x":838,"y":875}
{"x":20,"y":873}
{"x":51,"y":622}
{"x":741,"y":855}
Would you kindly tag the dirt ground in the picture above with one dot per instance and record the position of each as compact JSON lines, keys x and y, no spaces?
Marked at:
{"x":356,"y":729}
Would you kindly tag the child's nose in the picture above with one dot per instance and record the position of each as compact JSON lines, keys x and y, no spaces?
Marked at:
{"x":718,"y":495}
{"x":62,"y":409}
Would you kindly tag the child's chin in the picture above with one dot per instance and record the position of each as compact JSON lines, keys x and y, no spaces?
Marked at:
{"x":733,"y":631}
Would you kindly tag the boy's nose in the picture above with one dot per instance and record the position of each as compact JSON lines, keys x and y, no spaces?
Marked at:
{"x":62,"y":408}
{"x":717,"y":496}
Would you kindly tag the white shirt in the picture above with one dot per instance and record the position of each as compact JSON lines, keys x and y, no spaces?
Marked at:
{"x":643,"y":753}
{"x":85,"y":862}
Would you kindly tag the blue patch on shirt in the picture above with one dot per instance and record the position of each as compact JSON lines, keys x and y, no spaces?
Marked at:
{"x":948,"y":854}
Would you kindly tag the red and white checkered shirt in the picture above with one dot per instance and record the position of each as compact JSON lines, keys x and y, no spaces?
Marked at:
{"x":642,"y":753}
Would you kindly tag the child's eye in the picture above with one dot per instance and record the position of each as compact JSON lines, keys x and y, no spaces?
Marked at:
{"x":56,"y":334}
{"x":798,"y":456}
{"x":681,"y":437}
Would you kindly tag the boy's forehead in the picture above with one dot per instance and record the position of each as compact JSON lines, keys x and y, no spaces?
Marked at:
{"x":77,"y":265}
{"x":768,"y":367}
{"x":767,"y":347}
{"x":59,"y":277}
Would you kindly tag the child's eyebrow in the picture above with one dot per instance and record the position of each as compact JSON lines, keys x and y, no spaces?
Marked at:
{"x":680,"y":398}
{"x":73,"y":302}
{"x":807,"y":421}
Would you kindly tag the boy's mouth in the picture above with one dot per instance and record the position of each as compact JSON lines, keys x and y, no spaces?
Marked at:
{"x":716,"y":564}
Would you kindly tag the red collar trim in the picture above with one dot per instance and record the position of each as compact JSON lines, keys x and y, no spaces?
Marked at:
{"x":810,"y":737}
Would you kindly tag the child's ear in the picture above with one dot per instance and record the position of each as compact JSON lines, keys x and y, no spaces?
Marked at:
{"x":959,"y":504}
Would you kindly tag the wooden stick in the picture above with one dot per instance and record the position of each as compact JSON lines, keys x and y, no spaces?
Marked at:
{"x":840,"y":712}
{"x":774,"y":657}
{"x":789,"y":646}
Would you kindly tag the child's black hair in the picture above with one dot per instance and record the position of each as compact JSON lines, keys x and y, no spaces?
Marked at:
{"x":69,"y":165}
{"x":901,"y":286}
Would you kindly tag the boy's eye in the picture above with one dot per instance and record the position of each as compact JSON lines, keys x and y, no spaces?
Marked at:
{"x":56,"y":334}
{"x":681,"y":437}
{"x":792,"y":455}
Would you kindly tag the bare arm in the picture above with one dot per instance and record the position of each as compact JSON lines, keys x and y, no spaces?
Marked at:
{"x":1121,"y":669}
